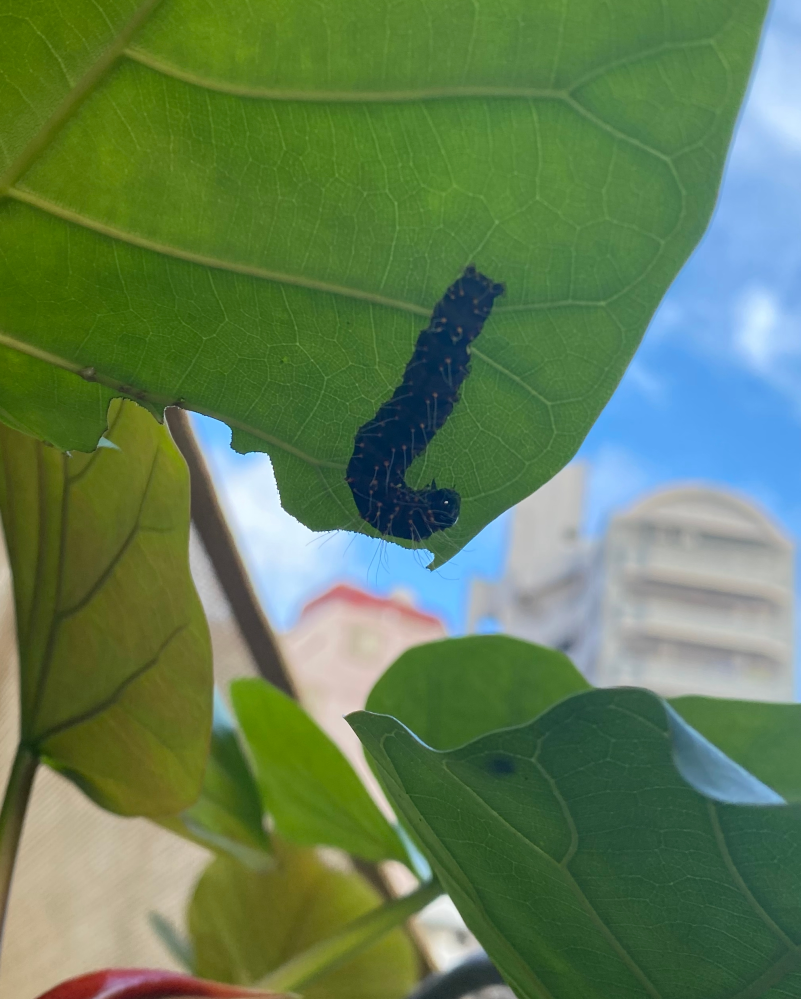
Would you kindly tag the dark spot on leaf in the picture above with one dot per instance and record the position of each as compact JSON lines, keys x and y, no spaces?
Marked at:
{"x":501,"y":766}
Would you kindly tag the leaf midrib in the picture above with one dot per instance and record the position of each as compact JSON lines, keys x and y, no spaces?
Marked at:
{"x":401,"y":95}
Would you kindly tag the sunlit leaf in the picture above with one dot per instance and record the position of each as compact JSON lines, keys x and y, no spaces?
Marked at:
{"x":245,"y":924}
{"x":308,"y":786}
{"x":115,"y":658}
{"x":254,"y":210}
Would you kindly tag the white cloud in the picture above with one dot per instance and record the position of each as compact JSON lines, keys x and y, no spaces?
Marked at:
{"x":767,"y":340}
{"x":289,"y":562}
{"x":757,"y":326}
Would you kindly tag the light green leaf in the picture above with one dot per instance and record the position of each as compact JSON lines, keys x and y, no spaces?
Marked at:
{"x":307,"y":785}
{"x":588,"y":866}
{"x":452,"y":691}
{"x":255,"y":210}
{"x":245,"y":924}
{"x":227,"y":817}
{"x":115,"y":658}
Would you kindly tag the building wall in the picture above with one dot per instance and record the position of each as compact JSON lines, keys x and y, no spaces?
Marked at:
{"x":549,"y":593}
{"x":340,"y":646}
{"x":698,"y":598}
{"x":691,"y":591}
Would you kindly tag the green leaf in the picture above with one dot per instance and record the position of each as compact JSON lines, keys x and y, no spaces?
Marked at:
{"x":255,"y":211}
{"x":173,"y":941}
{"x":589,"y":867}
{"x":452,"y":691}
{"x":307,"y":785}
{"x":245,"y":924}
{"x":763,"y":738}
{"x":227,"y":816}
{"x":115,"y":658}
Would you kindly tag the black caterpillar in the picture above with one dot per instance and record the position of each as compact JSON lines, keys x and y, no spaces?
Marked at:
{"x":402,"y":428}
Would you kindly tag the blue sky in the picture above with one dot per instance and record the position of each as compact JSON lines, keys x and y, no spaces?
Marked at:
{"x":713,"y":394}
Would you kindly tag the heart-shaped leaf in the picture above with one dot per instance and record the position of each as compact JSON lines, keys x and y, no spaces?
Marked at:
{"x":587,"y":863}
{"x":308,"y":786}
{"x":245,"y":924}
{"x":115,"y":657}
{"x":254,"y":211}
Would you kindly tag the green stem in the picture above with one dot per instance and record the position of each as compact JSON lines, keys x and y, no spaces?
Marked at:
{"x":303,"y":969}
{"x":12,"y":817}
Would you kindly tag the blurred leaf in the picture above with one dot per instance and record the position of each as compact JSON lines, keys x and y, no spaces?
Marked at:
{"x":587,"y":865}
{"x":246,"y":924}
{"x":307,"y":784}
{"x":115,"y":658}
{"x":763,"y":738}
{"x":452,"y":691}
{"x":143,"y":983}
{"x":177,"y":946}
{"x":227,"y":817}
{"x":255,"y":211}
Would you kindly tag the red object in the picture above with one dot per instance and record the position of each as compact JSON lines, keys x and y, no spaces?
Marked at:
{"x":144,"y":983}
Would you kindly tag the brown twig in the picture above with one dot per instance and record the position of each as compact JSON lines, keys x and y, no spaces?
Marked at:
{"x":224,"y":556}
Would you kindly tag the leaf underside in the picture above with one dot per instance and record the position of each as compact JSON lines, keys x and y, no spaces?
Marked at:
{"x":252,"y":211}
{"x":586,"y":864}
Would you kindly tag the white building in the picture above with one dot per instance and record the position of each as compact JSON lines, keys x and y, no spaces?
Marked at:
{"x":690,"y":591}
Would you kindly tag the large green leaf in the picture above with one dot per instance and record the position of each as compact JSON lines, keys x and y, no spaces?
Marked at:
{"x":227,"y":816}
{"x":254,"y":208}
{"x":589,"y":866}
{"x":452,"y":691}
{"x":244,"y":925}
{"x":308,"y":786}
{"x":115,"y":658}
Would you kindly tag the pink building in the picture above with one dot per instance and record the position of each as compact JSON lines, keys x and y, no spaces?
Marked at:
{"x":341,"y":644}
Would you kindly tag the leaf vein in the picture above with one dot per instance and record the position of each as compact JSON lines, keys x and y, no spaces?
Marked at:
{"x":75,"y":97}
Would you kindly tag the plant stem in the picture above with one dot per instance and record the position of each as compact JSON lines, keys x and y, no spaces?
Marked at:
{"x":303,"y":969}
{"x":12,"y":817}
